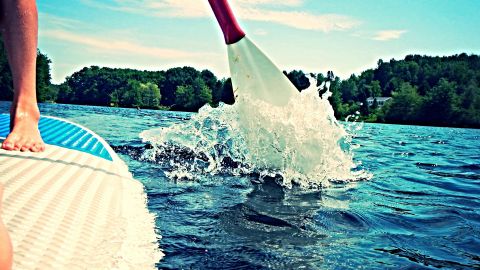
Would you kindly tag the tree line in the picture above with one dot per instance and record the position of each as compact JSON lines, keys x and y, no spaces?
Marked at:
{"x":179,"y":88}
{"x":44,"y":89}
{"x":424,"y":90}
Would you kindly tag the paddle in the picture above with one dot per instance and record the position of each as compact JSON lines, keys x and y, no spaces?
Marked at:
{"x":253,"y":73}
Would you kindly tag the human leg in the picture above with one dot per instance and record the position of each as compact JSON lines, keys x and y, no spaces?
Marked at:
{"x":20,"y":31}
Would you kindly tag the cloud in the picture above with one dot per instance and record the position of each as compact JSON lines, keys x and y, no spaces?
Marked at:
{"x":116,"y":46}
{"x":160,"y":8}
{"x":51,"y":21}
{"x":289,"y":3}
{"x":386,"y":35}
{"x":114,"y":43}
{"x":301,"y":20}
{"x":260,"y":32}
{"x":278,"y":12}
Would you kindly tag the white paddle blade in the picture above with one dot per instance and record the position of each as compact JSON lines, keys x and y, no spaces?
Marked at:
{"x":255,"y":75}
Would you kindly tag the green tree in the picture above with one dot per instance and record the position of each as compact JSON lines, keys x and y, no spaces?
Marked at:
{"x":64,"y":93}
{"x":349,"y":89}
{"x":44,"y":91}
{"x":131,"y":95}
{"x":227,"y":92}
{"x":106,"y":86}
{"x":405,"y":105}
{"x":203,"y":93}
{"x":193,"y":97}
{"x":298,"y":79}
{"x":43,"y":77}
{"x":174,"y":77}
{"x":375,"y":89}
{"x":214,"y":84}
{"x":184,"y":96}
{"x":470,"y":106}
{"x":150,"y":95}
{"x":441,"y":103}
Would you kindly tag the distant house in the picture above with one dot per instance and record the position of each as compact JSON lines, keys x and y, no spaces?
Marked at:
{"x":380,"y":101}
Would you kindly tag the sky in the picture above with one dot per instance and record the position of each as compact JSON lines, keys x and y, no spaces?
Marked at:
{"x":345,"y":36}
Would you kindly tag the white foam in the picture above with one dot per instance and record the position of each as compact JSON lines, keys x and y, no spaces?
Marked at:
{"x":301,"y":141}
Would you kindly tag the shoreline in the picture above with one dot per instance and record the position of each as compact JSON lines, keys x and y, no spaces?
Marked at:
{"x":171,"y":110}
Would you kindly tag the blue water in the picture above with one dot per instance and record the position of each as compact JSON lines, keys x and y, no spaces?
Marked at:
{"x":420,"y":210}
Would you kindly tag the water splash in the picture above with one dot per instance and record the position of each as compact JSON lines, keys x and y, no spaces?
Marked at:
{"x":300,"y":144}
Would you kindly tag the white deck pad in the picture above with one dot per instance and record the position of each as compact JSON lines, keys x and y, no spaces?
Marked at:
{"x":71,"y":209}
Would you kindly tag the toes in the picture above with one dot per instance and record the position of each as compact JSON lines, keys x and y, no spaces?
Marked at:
{"x":17,"y":146}
{"x":23,"y":146}
{"x":38,"y":147}
{"x":7,"y":145}
{"x":27,"y":146}
{"x":32,"y":146}
{"x":21,"y":140}
{"x":16,"y":143}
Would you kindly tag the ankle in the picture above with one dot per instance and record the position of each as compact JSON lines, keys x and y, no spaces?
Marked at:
{"x":25,"y":109}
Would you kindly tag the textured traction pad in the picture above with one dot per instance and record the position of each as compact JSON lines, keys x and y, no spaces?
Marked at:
{"x":64,"y":134}
{"x":74,"y":209}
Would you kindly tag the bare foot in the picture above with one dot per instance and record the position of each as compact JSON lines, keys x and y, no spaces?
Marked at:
{"x":24,"y":135}
{"x":5,"y":243}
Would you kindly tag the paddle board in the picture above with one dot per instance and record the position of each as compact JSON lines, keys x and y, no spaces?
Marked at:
{"x":75,"y":205}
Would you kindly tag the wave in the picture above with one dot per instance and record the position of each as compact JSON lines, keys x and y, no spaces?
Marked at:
{"x":419,"y":258}
{"x":468,"y":171}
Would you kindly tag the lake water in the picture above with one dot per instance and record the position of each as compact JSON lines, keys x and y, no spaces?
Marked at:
{"x":419,"y":209}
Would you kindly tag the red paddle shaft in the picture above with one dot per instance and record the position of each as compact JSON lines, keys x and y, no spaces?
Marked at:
{"x":230,"y":28}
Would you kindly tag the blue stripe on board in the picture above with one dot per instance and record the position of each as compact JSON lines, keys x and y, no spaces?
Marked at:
{"x":63,"y":134}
